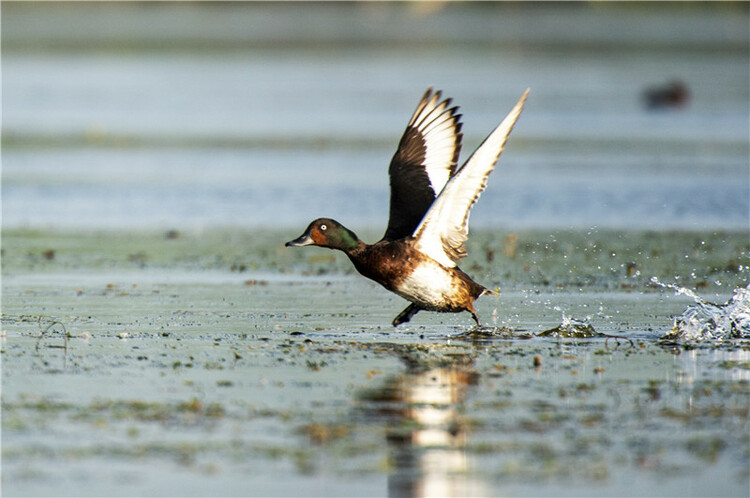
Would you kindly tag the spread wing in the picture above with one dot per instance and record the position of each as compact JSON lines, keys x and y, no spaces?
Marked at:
{"x":426,"y":158}
{"x":445,"y":227}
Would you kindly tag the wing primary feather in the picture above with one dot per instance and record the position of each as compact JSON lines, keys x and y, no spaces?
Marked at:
{"x":445,"y":227}
{"x":428,"y":102}
{"x":425,"y":160}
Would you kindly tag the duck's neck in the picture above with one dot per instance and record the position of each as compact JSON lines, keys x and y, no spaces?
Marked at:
{"x":349,"y":242}
{"x":357,"y":255}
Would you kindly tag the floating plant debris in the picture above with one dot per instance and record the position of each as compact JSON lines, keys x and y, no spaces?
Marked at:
{"x":492,"y":333}
{"x":571,"y":327}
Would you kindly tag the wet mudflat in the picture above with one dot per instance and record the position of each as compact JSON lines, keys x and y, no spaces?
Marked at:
{"x":220,"y":363}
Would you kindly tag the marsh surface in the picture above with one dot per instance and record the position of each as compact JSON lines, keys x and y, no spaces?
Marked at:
{"x":222,"y":363}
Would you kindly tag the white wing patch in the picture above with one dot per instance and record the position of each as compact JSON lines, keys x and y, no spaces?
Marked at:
{"x":437,"y":124}
{"x":445,"y":226}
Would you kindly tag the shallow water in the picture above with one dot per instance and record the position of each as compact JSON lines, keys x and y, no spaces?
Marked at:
{"x":141,"y":364}
{"x":157,"y":338}
{"x":152,"y":399}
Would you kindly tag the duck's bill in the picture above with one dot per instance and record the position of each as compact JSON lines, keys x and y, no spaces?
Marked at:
{"x":302,"y":240}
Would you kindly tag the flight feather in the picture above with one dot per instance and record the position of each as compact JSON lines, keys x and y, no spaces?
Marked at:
{"x":445,"y":227}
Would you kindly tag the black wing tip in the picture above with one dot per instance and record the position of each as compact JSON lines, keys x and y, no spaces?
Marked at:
{"x":437,"y":95}
{"x":457,"y":123}
{"x":429,"y":94}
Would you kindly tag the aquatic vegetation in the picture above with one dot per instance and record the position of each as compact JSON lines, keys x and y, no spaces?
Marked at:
{"x":572,"y":327}
{"x":324,"y":433}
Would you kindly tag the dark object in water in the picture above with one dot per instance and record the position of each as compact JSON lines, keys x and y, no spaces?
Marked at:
{"x":672,"y":95}
{"x":570,"y":327}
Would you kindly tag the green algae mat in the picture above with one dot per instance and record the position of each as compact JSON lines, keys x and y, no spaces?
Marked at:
{"x":220,"y":363}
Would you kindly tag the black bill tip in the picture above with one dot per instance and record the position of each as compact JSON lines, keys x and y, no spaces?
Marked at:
{"x":302,"y":240}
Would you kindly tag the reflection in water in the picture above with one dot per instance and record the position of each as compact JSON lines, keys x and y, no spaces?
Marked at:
{"x":733,"y":365}
{"x":426,"y":431}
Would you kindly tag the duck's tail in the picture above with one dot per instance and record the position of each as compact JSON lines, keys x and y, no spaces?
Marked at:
{"x":489,"y":292}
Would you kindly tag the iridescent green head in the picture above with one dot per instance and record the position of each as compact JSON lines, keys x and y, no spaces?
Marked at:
{"x":326,"y":232}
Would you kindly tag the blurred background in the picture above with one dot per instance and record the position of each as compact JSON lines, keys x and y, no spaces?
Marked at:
{"x":192,"y":115}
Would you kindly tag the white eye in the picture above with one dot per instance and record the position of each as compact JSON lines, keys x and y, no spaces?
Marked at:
{"x":323,"y":227}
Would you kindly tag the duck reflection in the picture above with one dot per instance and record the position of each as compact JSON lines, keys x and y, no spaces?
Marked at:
{"x":425,"y":430}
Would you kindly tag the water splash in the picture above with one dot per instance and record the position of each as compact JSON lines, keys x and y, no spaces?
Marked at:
{"x":705,"y":322}
{"x":680,"y":290}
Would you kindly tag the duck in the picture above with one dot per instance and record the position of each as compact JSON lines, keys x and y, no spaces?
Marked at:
{"x":430,"y":202}
{"x":673,"y":95}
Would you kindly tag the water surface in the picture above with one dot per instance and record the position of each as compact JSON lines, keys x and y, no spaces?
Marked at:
{"x":158,"y":339}
{"x":191,"y":125}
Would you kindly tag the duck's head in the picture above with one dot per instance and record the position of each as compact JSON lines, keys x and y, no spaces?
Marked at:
{"x":326,"y":232}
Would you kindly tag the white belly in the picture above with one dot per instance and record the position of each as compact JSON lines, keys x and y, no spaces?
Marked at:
{"x":428,"y":285}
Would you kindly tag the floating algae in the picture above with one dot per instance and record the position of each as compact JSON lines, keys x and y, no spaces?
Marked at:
{"x":705,"y":322}
{"x":571,"y":328}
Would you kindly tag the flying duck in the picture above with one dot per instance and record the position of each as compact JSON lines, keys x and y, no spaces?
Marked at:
{"x":430,"y":204}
